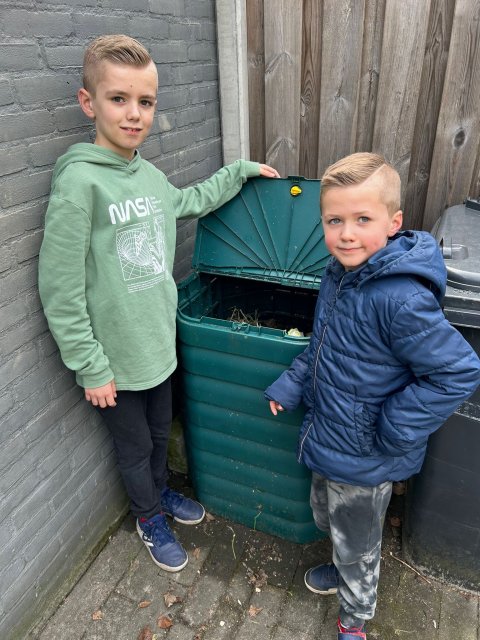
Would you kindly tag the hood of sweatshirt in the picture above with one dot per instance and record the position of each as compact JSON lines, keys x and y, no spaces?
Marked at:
{"x":94,"y":154}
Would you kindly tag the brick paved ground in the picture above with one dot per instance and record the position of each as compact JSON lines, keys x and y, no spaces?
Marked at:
{"x":242,"y":584}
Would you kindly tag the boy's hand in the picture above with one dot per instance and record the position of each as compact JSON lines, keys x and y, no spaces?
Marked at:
{"x":268,"y":172}
{"x":103,"y":396}
{"x":275,"y":407}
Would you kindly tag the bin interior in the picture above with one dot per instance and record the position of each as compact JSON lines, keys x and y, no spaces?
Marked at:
{"x":272,"y":307}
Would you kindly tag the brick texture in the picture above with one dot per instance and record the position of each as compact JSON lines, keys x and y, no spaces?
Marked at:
{"x":60,"y":487}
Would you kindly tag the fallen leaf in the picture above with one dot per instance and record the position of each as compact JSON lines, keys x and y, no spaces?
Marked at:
{"x":144,"y":603}
{"x":254,"y":611}
{"x":171,"y":598}
{"x":164,"y":622}
{"x":196,"y":553}
{"x":97,"y":615}
{"x":145,"y":634}
{"x":259,"y":579}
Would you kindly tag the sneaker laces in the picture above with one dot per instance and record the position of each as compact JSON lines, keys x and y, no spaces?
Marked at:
{"x":157,"y":530}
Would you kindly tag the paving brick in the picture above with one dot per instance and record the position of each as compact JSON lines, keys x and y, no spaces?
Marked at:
{"x":306,"y":611}
{"x":456,"y":606}
{"x":203,"y":601}
{"x":94,"y":588}
{"x":282,"y":633}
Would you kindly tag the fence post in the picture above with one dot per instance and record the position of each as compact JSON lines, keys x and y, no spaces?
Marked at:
{"x":232,"y":63}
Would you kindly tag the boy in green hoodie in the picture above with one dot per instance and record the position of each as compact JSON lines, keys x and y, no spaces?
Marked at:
{"x":105,"y":277}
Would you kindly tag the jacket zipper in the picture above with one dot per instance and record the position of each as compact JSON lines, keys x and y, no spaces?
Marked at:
{"x":317,"y":355}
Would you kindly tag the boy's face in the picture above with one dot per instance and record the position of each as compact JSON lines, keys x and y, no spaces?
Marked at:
{"x":357,"y":223}
{"x":123,"y":105}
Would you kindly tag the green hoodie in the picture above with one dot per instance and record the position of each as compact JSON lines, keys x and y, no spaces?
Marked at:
{"x":107,"y":257}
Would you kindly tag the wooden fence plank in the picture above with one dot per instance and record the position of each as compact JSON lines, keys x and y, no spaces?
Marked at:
{"x":370,"y":72}
{"x":342,"y":37}
{"x":428,"y":108}
{"x":402,"y":57}
{"x":256,"y":78}
{"x":283,"y":68}
{"x":398,"y":77}
{"x":310,"y":91}
{"x":458,"y":131}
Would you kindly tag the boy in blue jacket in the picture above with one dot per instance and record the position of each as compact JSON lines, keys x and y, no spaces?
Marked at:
{"x":382,"y":371}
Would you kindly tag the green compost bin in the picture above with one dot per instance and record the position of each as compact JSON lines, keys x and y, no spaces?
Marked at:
{"x":257,"y":263}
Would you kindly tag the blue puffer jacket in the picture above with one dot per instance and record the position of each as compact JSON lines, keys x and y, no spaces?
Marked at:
{"x":384,"y":368}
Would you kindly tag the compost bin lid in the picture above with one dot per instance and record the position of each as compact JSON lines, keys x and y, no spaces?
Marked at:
{"x":270,"y":230}
{"x":458,"y":234}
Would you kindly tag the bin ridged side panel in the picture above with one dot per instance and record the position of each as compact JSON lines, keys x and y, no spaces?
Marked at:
{"x":242,"y":460}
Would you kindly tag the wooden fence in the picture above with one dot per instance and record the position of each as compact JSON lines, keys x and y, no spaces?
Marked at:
{"x":399,"y":77}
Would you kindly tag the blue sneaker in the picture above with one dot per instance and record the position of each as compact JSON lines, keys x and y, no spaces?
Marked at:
{"x":180,"y":508}
{"x":351,"y":633}
{"x":323,"y":579}
{"x":166,"y":551}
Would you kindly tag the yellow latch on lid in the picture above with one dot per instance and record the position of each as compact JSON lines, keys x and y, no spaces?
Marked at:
{"x":295,"y":190}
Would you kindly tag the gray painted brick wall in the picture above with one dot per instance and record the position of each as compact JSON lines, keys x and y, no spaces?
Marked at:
{"x":59,"y":483}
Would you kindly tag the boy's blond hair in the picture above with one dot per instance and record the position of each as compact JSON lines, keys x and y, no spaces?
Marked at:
{"x":119,"y":49}
{"x":357,"y":168}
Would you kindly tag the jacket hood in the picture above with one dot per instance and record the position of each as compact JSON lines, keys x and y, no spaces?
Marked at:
{"x":94,"y":154}
{"x":409,"y":253}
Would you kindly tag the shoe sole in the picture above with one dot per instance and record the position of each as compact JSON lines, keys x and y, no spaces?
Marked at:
{"x":165,"y":567}
{"x":327,"y":592}
{"x":185,"y":521}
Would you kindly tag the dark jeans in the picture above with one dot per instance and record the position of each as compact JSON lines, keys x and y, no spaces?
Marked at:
{"x":140,"y":427}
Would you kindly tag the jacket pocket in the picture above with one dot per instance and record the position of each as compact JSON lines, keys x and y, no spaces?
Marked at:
{"x":365,"y":428}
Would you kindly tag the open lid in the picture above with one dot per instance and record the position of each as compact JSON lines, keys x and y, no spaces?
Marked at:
{"x":458,"y":234}
{"x":270,"y":230}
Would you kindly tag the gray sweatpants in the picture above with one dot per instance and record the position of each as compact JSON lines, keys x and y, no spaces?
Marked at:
{"x":353,"y":518}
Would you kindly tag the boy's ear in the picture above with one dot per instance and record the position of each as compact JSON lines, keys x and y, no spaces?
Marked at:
{"x":85,"y":100}
{"x":395,"y":223}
